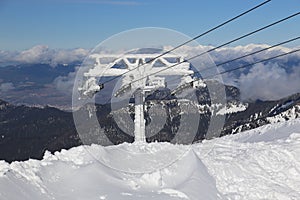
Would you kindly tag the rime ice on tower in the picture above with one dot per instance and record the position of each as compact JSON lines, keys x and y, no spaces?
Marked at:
{"x":140,"y":73}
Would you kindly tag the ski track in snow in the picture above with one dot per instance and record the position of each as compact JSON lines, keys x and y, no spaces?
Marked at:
{"x":262,"y":163}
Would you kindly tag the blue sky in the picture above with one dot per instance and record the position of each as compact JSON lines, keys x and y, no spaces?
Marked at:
{"x":85,"y":23}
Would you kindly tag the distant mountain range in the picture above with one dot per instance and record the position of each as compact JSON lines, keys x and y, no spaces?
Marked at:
{"x":26,"y":132}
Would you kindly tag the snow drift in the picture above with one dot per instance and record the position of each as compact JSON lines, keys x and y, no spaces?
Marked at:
{"x":263,"y":163}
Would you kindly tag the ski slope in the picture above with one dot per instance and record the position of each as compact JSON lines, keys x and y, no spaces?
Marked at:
{"x":263,"y":163}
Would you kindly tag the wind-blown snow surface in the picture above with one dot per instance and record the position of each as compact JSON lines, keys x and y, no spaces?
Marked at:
{"x":263,"y":163}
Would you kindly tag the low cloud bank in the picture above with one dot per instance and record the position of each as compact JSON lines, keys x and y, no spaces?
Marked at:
{"x":43,"y":54}
{"x":269,"y":82}
{"x":266,"y":81}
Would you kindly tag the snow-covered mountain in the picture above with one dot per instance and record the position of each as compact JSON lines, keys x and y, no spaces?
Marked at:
{"x":262,"y":163}
{"x":262,"y":112}
{"x":239,"y":115}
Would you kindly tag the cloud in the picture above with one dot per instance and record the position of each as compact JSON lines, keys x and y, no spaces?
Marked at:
{"x":228,"y":53}
{"x":6,"y":57}
{"x":269,"y":82}
{"x":65,"y":83}
{"x":273,"y":80}
{"x":37,"y":54}
{"x":69,"y":56}
{"x":43,"y":54}
{"x":5,"y":87}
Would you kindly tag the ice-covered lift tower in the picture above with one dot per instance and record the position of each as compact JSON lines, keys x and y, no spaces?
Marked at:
{"x":139,"y":75}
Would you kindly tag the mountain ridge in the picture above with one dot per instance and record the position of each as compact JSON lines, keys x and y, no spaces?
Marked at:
{"x":26,"y":132}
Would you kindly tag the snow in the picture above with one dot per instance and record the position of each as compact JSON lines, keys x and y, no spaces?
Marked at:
{"x":139,"y":121}
{"x":291,"y":113}
{"x":262,"y":163}
{"x":174,"y":193}
{"x":137,"y":74}
{"x":232,"y":108}
{"x":90,"y":87}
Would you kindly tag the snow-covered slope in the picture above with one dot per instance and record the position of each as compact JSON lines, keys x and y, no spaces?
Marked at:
{"x":263,"y":163}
